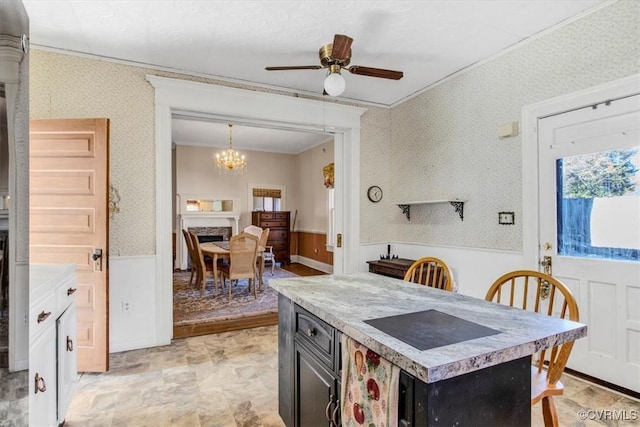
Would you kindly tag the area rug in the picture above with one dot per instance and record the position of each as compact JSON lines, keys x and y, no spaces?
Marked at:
{"x":189,"y":308}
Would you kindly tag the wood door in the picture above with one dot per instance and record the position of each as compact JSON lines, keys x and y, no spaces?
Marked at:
{"x":589,"y":183}
{"x":69,"y":221}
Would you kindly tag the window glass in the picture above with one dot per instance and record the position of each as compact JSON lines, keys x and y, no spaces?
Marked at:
{"x":598,"y":205}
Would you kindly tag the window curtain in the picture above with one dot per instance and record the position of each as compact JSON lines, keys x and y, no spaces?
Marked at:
{"x":266,"y":192}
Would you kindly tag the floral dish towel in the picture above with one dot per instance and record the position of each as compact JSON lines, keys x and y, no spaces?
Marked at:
{"x":369,"y":387}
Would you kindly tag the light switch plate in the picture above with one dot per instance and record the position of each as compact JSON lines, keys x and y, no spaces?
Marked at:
{"x":506,"y":218}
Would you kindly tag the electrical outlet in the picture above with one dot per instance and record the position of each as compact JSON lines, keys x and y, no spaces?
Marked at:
{"x":126,"y":306}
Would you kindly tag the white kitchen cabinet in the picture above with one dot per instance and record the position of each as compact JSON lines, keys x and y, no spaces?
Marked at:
{"x":67,"y":360}
{"x":52,"y":343}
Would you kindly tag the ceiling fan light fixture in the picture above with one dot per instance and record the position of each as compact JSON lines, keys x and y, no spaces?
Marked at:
{"x":334,"y":84}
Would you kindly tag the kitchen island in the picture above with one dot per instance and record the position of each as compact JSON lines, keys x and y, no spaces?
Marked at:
{"x":476,"y":372}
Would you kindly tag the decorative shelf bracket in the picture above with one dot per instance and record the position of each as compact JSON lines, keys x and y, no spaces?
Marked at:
{"x":459,"y":207}
{"x":406,"y":209}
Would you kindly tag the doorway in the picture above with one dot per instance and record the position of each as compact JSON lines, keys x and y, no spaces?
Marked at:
{"x":272,"y":189}
{"x":229,"y":104}
{"x":587,"y":188}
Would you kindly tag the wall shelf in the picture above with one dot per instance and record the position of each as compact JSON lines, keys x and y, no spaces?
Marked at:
{"x":457,"y":204}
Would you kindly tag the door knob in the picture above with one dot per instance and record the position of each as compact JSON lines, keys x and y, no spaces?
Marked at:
{"x":97,"y":259}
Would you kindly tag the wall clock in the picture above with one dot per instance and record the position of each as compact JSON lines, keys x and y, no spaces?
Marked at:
{"x":374,"y":193}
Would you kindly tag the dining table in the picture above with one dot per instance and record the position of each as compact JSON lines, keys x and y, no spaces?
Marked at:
{"x":218,"y":250}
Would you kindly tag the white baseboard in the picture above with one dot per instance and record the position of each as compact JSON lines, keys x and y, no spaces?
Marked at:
{"x":326,"y":268}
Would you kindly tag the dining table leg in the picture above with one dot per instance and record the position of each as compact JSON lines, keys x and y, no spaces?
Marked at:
{"x":215,"y":274}
{"x":260,"y":271}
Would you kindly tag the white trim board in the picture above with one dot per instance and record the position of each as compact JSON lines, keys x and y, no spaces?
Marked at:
{"x":261,"y":109}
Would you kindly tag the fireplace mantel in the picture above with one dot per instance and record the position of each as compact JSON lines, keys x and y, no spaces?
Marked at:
{"x":202,"y":220}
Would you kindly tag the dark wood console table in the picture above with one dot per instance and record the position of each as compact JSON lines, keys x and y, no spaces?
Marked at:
{"x":390,"y":267}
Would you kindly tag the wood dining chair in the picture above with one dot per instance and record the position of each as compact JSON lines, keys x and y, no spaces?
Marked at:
{"x":265,"y":253}
{"x":432,"y":272}
{"x":243,"y":253}
{"x":538,"y":292}
{"x":205,"y":270}
{"x":192,"y":257}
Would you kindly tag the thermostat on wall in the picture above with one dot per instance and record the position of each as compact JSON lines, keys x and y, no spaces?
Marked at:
{"x":508,"y":130}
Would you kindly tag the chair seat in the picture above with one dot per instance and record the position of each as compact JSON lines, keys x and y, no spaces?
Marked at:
{"x":540,"y":388}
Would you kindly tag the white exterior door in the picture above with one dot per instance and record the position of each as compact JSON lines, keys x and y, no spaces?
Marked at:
{"x":589,"y":213}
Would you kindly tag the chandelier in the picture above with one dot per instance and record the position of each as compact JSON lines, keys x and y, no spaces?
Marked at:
{"x":230,"y":160}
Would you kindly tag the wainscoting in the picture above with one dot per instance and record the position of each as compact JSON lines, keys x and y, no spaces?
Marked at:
{"x":310,"y":248}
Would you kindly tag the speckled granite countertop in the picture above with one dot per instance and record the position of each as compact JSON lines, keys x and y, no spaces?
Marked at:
{"x":345,"y":302}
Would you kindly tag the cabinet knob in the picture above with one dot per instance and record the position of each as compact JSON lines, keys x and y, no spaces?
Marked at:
{"x":70,"y":291}
{"x":311,"y":332}
{"x":43,"y":316}
{"x":69,"y":344}
{"x":41,"y":386}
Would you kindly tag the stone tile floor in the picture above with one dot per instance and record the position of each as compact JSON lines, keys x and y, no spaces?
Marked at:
{"x":231,"y":379}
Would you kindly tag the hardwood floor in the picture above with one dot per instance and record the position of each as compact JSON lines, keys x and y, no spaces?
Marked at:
{"x":245,"y":322}
{"x":302,"y":270}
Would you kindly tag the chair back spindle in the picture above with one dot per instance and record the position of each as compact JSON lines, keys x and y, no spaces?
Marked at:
{"x":430,"y":271}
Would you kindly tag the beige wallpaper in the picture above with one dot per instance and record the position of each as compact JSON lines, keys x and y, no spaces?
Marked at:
{"x":21,"y":174}
{"x":64,"y":86}
{"x":445,"y":140}
{"x":376,"y":147}
{"x":441,"y":143}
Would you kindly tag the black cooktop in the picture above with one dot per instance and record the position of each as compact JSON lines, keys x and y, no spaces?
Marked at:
{"x":429,"y":329}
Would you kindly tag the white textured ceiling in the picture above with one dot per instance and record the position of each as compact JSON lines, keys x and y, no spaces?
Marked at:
{"x":427,"y":40}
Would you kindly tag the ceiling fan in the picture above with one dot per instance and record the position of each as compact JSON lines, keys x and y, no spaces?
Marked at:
{"x":336,"y":56}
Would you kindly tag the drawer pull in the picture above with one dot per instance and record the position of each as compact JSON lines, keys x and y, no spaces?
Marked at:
{"x":334,"y":417}
{"x":311,"y":332}
{"x":69,"y":344}
{"x":70,"y":291}
{"x":41,"y":386}
{"x":43,"y":316}
{"x":327,"y":411}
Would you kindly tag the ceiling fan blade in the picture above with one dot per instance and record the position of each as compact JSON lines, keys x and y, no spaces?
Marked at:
{"x":376,"y":72}
{"x":294,"y":67}
{"x":341,"y":47}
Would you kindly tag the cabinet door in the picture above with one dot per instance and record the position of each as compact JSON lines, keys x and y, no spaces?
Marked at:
{"x":42,"y":379}
{"x":316,"y":391}
{"x":67,"y":360}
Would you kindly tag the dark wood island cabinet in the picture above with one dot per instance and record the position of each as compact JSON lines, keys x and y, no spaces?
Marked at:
{"x":467,"y":381}
{"x":310,"y":355}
